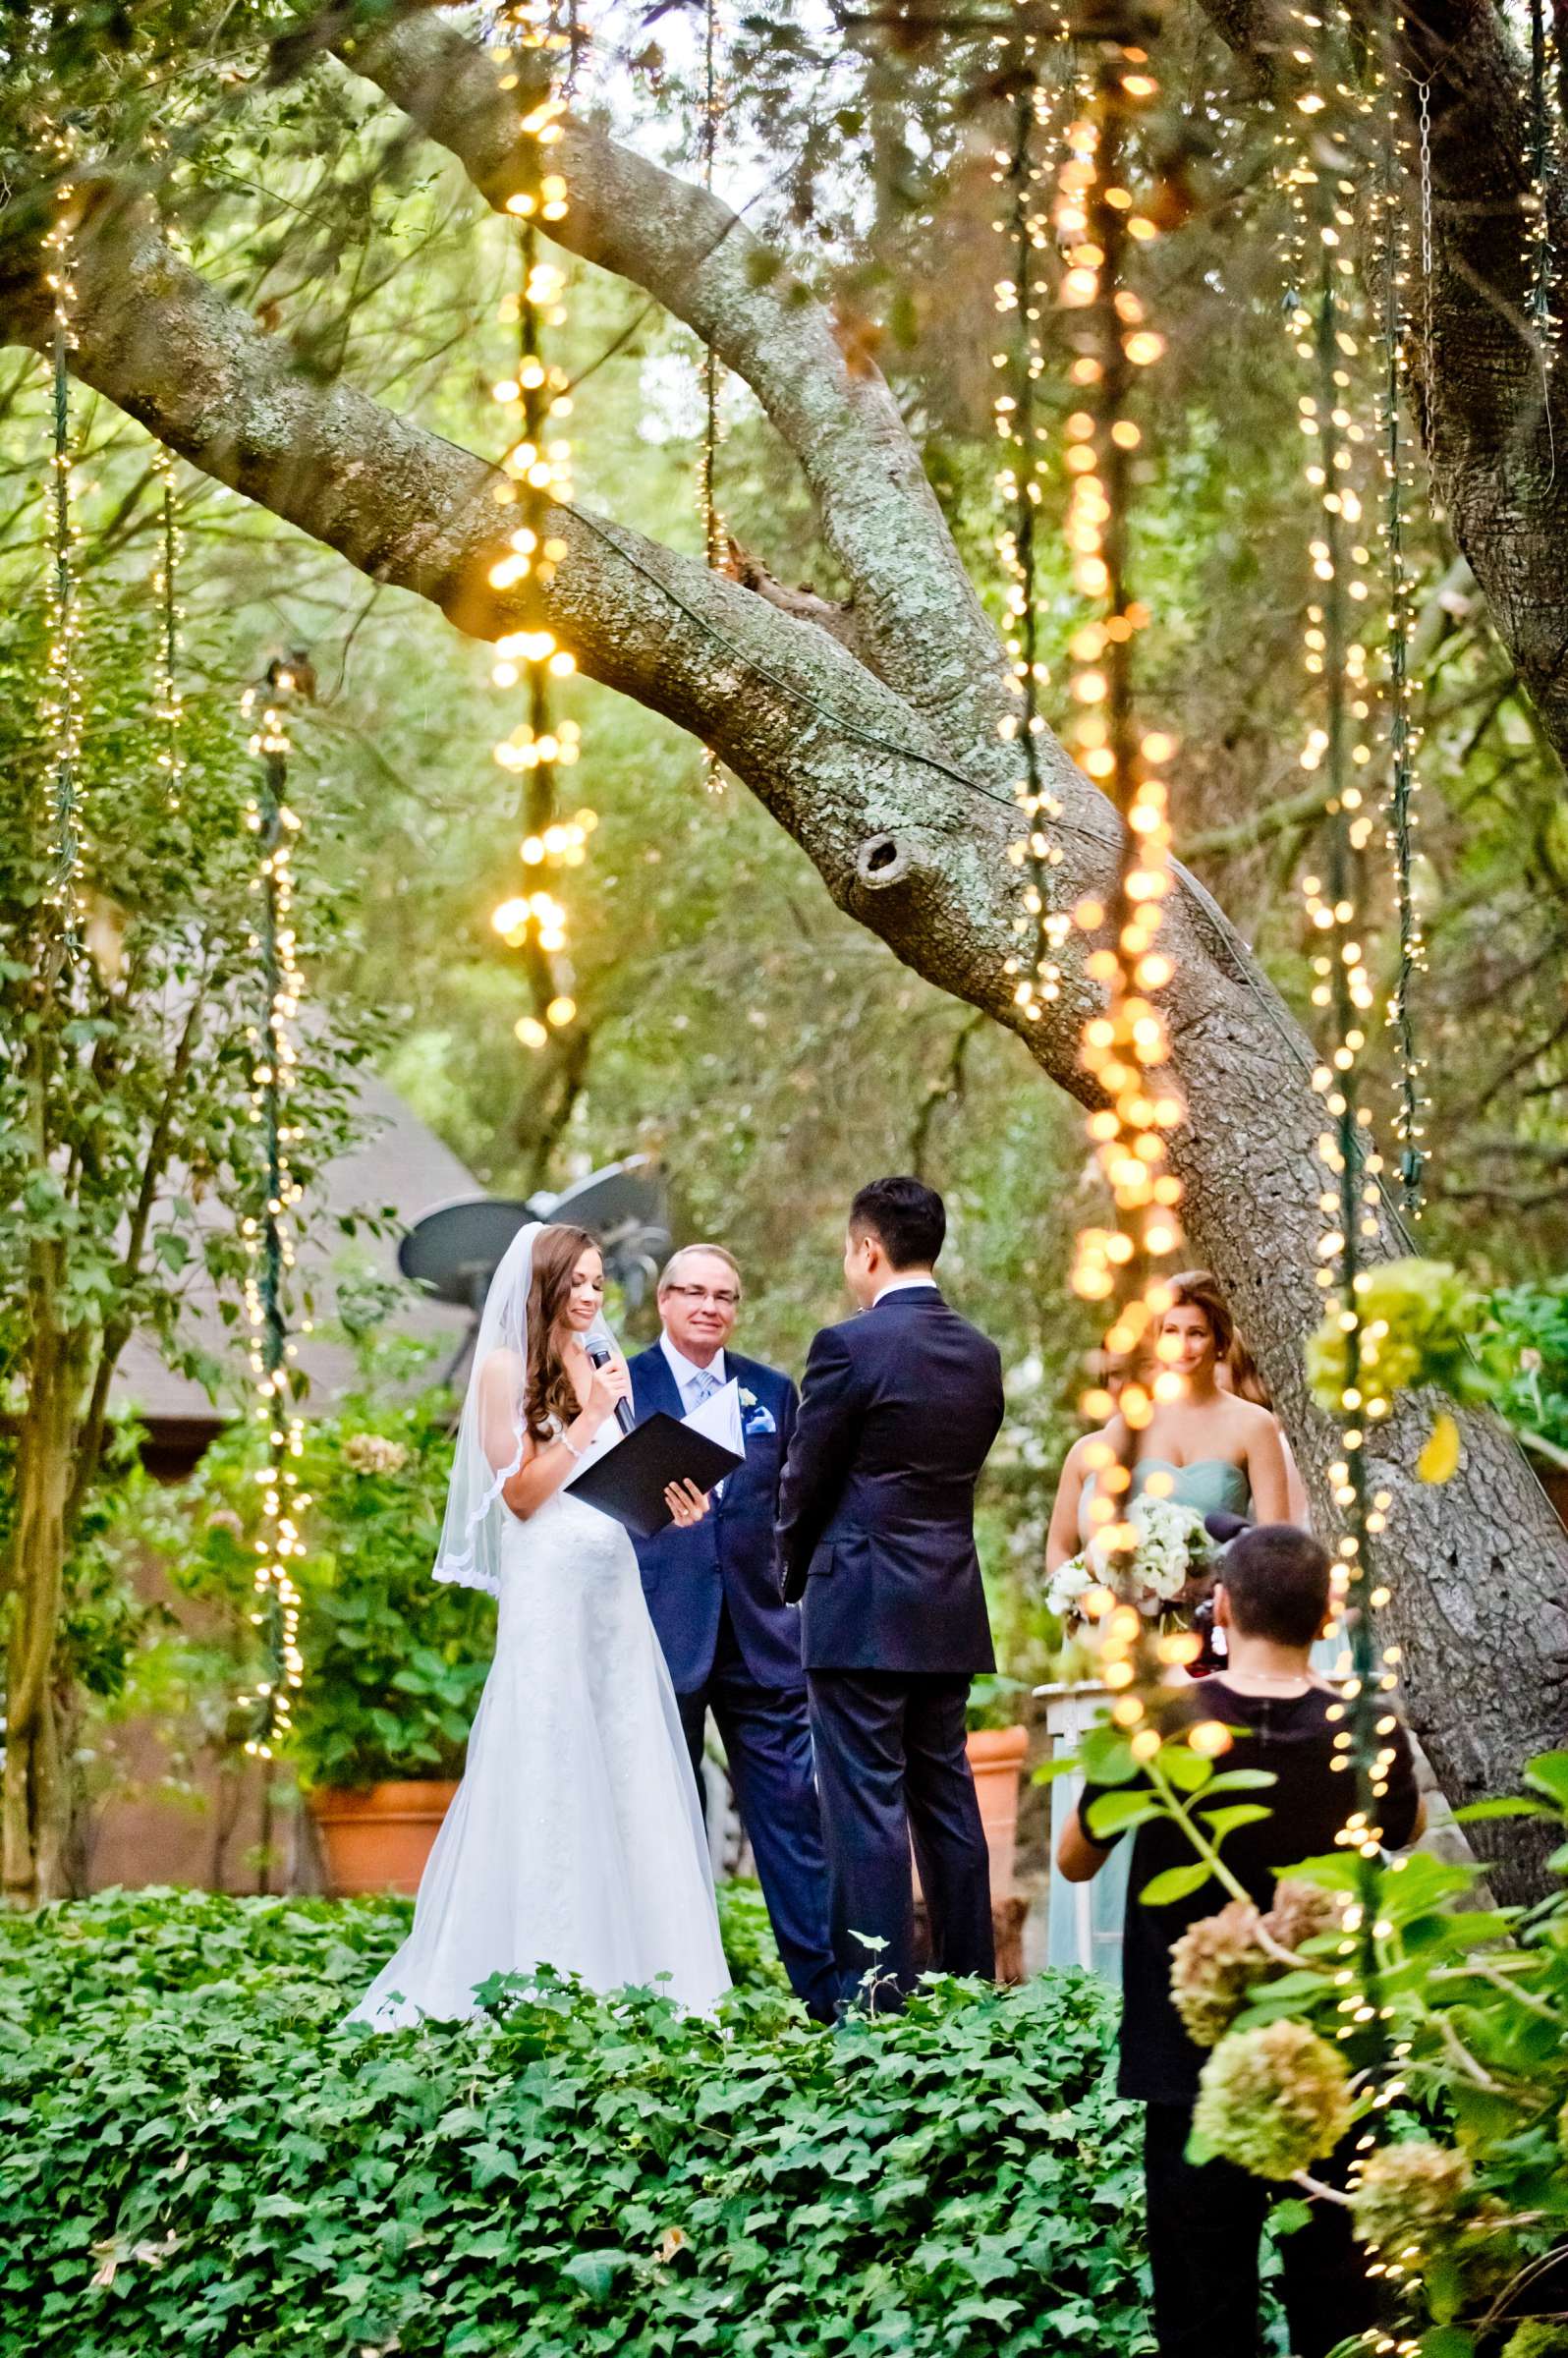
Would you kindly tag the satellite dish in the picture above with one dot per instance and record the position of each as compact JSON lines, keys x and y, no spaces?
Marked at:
{"x":453,"y":1252}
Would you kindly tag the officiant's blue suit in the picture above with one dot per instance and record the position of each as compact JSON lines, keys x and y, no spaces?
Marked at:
{"x":898,"y":1411}
{"x":733,"y":1646}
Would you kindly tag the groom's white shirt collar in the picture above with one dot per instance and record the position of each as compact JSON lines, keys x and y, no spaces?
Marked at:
{"x":686,"y":1372}
{"x":903,"y":1285}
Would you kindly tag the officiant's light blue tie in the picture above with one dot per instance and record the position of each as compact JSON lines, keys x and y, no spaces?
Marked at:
{"x":705,"y":1385}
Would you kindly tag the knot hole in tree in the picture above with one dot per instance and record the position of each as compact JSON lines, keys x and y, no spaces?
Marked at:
{"x":882,"y":860}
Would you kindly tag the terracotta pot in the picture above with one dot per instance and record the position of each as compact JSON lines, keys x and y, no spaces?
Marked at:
{"x":377,"y":1839}
{"x":996,"y":1762}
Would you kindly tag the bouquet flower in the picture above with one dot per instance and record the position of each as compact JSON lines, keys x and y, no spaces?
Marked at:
{"x":1173,"y":1550}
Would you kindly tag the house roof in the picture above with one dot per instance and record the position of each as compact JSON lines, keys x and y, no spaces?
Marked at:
{"x":399,"y":1167}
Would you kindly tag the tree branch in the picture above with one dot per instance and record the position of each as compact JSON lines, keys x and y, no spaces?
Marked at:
{"x":919,"y":623}
{"x":803,"y":603}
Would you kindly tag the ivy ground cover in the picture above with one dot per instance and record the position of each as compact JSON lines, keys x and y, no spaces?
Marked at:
{"x":197,"y":2157}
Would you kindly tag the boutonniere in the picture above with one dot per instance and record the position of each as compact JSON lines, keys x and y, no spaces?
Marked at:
{"x":755,"y":1418}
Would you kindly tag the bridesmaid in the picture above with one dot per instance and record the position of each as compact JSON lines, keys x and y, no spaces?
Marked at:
{"x":1209,"y":1450}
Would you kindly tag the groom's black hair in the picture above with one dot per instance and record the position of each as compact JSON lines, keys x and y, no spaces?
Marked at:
{"x":1277,"y":1581}
{"x":908,"y":1217}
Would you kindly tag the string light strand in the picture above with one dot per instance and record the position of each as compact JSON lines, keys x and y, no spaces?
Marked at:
{"x":268,"y":1233}
{"x":1323,"y":327}
{"x":168,"y":705}
{"x":1403,"y":733}
{"x":1022,"y":300}
{"x":535,"y":476}
{"x":62,"y":693}
{"x":713,"y":534}
{"x":1126,"y":1049}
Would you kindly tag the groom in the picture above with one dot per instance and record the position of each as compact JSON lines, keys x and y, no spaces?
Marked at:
{"x":877,"y":1534}
{"x":731,"y":1643}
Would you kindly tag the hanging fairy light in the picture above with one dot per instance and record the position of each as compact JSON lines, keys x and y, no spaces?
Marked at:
{"x":1022,"y":300}
{"x":1323,"y":321}
{"x":62,"y":690}
{"x":1125,"y":1048}
{"x":1543,"y":142}
{"x":535,"y":476}
{"x":713,"y":536}
{"x":167,"y":703}
{"x":1403,"y":733}
{"x":268,"y":1231}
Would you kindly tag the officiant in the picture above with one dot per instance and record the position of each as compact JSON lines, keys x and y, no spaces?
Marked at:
{"x":732,"y":1645}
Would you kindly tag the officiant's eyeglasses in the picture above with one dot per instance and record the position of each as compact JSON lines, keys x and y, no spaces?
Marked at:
{"x":722,"y":1294}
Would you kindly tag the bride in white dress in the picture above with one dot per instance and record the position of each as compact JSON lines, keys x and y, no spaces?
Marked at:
{"x":576,"y":1837}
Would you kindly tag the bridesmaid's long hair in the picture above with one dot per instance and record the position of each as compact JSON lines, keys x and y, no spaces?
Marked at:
{"x":1245,"y":1380}
{"x":550,"y":1390}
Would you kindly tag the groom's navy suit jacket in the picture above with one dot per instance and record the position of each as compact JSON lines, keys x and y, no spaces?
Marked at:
{"x":688,"y":1576}
{"x":876,"y":1506}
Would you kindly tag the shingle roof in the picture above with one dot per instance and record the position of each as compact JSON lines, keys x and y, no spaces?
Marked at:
{"x":400,"y":1166}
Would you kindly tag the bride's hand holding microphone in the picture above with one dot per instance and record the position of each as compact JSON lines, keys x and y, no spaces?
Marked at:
{"x":610,"y":1394}
{"x":609,"y":1386}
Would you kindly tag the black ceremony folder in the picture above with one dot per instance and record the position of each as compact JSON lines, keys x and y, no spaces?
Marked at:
{"x":628,"y":1481}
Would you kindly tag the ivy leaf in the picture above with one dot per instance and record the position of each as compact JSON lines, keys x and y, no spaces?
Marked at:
{"x":596,"y":2271}
{"x":491,"y":2162}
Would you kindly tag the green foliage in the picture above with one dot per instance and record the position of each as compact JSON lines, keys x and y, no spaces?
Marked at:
{"x":1531,"y":1327}
{"x":220,"y":2165}
{"x":1475,"y":2011}
{"x":1419,"y":1325}
{"x":996,"y":1701}
{"x":95,"y":1963}
{"x":88,"y":1966}
{"x":394,"y":1661}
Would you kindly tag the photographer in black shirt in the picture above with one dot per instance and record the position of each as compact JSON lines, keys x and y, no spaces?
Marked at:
{"x":1206,"y":2219}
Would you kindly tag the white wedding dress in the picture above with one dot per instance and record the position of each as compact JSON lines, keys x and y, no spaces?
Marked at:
{"x":575,"y":1839}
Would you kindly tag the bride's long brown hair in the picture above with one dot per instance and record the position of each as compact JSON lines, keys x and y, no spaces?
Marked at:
{"x":548,"y":1389}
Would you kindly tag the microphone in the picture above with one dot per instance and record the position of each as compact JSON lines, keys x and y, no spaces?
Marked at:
{"x":599,"y":1355}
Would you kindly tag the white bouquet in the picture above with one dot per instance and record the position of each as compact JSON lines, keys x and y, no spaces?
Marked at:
{"x":1173,"y":1548}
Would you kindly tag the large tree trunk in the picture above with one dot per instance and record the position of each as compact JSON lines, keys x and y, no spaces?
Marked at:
{"x":35,"y":1805}
{"x":880,"y":758}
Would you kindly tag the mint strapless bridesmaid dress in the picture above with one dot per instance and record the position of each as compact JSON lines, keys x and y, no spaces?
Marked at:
{"x":1084,"y":1921}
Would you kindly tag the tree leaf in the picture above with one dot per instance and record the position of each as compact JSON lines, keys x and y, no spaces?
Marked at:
{"x":1440,"y":1458}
